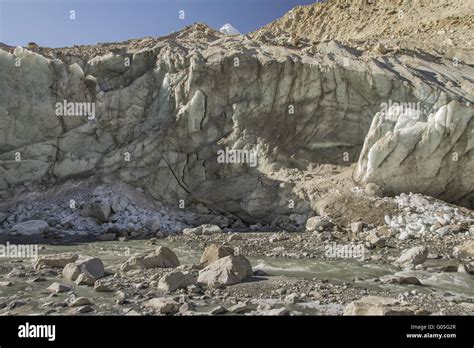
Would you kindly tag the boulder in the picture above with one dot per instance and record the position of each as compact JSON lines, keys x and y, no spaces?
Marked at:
{"x":218,"y":310}
{"x":93,"y":266}
{"x":241,"y":307}
{"x":85,"y":279}
{"x":275,"y":312}
{"x":102,"y":286}
{"x":187,"y":307}
{"x":214,"y":252}
{"x":357,"y":227}
{"x":375,"y":305}
{"x":318,"y":223}
{"x":154,"y":224}
{"x":465,"y":250}
{"x":30,"y":228}
{"x":99,"y":210}
{"x":58,"y":288}
{"x":107,"y":237}
{"x":402,"y":280}
{"x":91,"y":269}
{"x":71,"y":271}
{"x":55,"y":260}
{"x":412,"y":257}
{"x":80,"y":301}
{"x":226,"y":271}
{"x":372,"y":189}
{"x":176,"y":280}
{"x":163,"y":305}
{"x":205,"y":229}
{"x":162,"y":257}
{"x":374,"y":239}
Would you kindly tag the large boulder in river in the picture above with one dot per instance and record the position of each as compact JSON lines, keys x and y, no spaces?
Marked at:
{"x":93,"y":268}
{"x":55,"y":260}
{"x":215,"y":252}
{"x":162,"y":257}
{"x":29,"y":228}
{"x":226,"y":271}
{"x":176,"y":280}
{"x":405,"y":151}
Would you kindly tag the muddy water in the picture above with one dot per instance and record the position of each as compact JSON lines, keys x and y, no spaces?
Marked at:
{"x":114,"y":254}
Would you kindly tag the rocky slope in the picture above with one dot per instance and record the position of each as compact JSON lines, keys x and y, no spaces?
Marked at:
{"x":440,"y":24}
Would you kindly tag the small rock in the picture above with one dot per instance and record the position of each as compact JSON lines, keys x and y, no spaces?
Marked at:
{"x":357,"y":227}
{"x":80,"y":301}
{"x":206,"y":229}
{"x":375,"y":240}
{"x":101,"y":286}
{"x":372,"y":189}
{"x":218,"y":310}
{"x":85,"y":279}
{"x":260,"y":273}
{"x":106,"y":237}
{"x":58,"y":288}
{"x":153,"y":224}
{"x":187,"y":307}
{"x":163,"y":305}
{"x":240,"y":308}
{"x":176,"y":280}
{"x":414,"y":256}
{"x":380,"y":48}
{"x":291,"y":299}
{"x":464,"y":250}
{"x":100,"y":210}
{"x":85,"y":309}
{"x":449,"y":229}
{"x":318,"y":224}
{"x":402,"y":280}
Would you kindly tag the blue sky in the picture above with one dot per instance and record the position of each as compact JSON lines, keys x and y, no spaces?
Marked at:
{"x":47,"y":22}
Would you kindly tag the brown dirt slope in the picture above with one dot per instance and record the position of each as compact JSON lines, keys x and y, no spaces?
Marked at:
{"x":444,"y":23}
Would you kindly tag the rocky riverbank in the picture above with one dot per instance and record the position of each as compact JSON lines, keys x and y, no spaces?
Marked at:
{"x":416,"y":259}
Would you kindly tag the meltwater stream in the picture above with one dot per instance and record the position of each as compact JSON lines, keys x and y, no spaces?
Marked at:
{"x":363,"y":275}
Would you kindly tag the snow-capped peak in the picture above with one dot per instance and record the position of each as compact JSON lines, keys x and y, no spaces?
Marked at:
{"x":228,"y":29}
